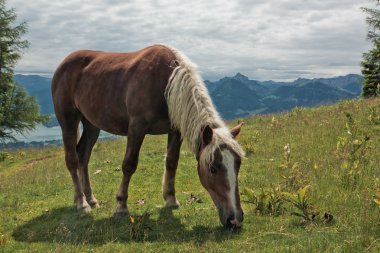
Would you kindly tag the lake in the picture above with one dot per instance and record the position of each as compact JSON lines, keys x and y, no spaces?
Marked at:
{"x":42,"y":134}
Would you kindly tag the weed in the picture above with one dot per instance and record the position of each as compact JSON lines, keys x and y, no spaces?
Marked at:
{"x":249,"y":144}
{"x":3,"y":240}
{"x":328,"y":218}
{"x":293,"y":176}
{"x":352,"y":149}
{"x":271,"y":201}
{"x":376,"y":196}
{"x":275,"y":122}
{"x":193,"y":199}
{"x":296,"y":111}
{"x":139,"y":227}
{"x":267,"y":202}
{"x":373,"y":116}
{"x":301,"y":200}
{"x":287,"y":163}
{"x":4,"y":155}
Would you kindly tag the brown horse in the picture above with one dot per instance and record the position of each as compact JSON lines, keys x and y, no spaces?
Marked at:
{"x":155,"y":90}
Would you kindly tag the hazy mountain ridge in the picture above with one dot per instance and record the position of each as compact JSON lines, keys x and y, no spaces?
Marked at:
{"x":39,"y":87}
{"x":247,"y":97}
{"x":238,"y":96}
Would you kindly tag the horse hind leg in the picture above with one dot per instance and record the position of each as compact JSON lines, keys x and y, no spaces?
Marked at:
{"x":171,"y":163}
{"x":69,"y":124}
{"x":84,"y":147}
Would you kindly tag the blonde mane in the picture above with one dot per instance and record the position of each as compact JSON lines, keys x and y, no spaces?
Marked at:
{"x":191,"y":109}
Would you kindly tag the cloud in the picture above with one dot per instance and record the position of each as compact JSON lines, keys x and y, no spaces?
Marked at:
{"x":263,"y":39}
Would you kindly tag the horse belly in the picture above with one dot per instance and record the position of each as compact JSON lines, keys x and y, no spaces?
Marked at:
{"x":159,"y":127}
{"x":115,"y":119}
{"x":109,"y":122}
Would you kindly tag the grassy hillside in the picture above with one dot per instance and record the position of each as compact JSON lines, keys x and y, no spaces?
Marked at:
{"x":328,"y":150}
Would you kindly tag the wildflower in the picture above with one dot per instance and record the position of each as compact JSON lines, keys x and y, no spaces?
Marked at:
{"x":287,"y":149}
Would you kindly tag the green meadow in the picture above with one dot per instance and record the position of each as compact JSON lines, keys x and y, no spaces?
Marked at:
{"x":333,"y":155}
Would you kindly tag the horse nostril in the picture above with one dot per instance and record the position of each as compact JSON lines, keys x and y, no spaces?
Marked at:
{"x":229,"y":221}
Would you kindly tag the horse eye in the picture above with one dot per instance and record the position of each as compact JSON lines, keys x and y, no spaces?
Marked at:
{"x":213,"y":170}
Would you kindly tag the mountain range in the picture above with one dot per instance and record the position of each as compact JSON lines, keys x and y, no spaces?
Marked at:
{"x":238,"y":96}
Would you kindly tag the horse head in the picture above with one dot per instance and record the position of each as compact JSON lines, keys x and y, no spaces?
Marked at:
{"x":219,"y":160}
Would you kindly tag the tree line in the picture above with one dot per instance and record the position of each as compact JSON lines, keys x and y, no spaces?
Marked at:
{"x":371,"y":59}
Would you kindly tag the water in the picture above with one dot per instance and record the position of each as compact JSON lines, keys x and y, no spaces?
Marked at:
{"x":43,"y":134}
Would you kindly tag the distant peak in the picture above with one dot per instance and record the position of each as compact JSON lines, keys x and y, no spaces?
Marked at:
{"x":240,"y":77}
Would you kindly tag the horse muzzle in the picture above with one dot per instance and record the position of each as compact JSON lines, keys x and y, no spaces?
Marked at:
{"x":233,"y":220}
{"x":234,"y":223}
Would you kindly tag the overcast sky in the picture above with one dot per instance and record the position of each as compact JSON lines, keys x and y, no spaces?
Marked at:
{"x":263,"y":39}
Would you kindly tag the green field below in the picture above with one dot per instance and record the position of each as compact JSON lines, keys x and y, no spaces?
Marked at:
{"x":335,"y":149}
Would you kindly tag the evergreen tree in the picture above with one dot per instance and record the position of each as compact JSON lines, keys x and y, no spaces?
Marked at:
{"x":19,"y":112}
{"x":371,"y":60}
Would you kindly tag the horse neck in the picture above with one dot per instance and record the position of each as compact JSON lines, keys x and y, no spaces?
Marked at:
{"x":190,"y":106}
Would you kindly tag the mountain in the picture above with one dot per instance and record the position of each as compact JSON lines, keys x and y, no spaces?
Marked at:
{"x":308,"y":94}
{"x":39,"y":87}
{"x":337,"y":82}
{"x":238,"y":96}
{"x":253,"y":97}
{"x":239,"y":79}
{"x":230,"y":98}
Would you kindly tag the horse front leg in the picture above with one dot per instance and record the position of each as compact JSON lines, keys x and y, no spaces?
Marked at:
{"x":171,"y":163}
{"x":135,"y":140}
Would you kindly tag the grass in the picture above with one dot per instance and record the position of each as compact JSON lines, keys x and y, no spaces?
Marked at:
{"x":37,"y":212}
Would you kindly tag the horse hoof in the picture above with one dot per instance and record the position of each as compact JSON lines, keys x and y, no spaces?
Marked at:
{"x":120,"y":215}
{"x":92,"y":201}
{"x":94,"y":204}
{"x":172,"y":204}
{"x":85,"y":209}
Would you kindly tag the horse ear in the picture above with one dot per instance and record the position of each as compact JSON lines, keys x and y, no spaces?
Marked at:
{"x":236,"y":129}
{"x":207,"y":135}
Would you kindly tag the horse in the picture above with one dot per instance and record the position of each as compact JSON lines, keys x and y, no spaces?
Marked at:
{"x":155,"y":90}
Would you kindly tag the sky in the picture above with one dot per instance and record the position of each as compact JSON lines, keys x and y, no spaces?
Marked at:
{"x":262,"y":39}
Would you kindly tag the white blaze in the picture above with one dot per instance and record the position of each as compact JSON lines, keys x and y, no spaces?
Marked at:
{"x":229,"y":163}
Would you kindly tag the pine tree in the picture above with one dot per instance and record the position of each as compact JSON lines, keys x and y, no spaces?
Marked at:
{"x":371,"y":60}
{"x":19,"y":112}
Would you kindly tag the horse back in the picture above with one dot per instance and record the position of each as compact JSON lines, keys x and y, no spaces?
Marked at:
{"x":111,"y":89}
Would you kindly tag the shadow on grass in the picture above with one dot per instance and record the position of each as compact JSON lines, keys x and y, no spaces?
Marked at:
{"x":66,"y":225}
